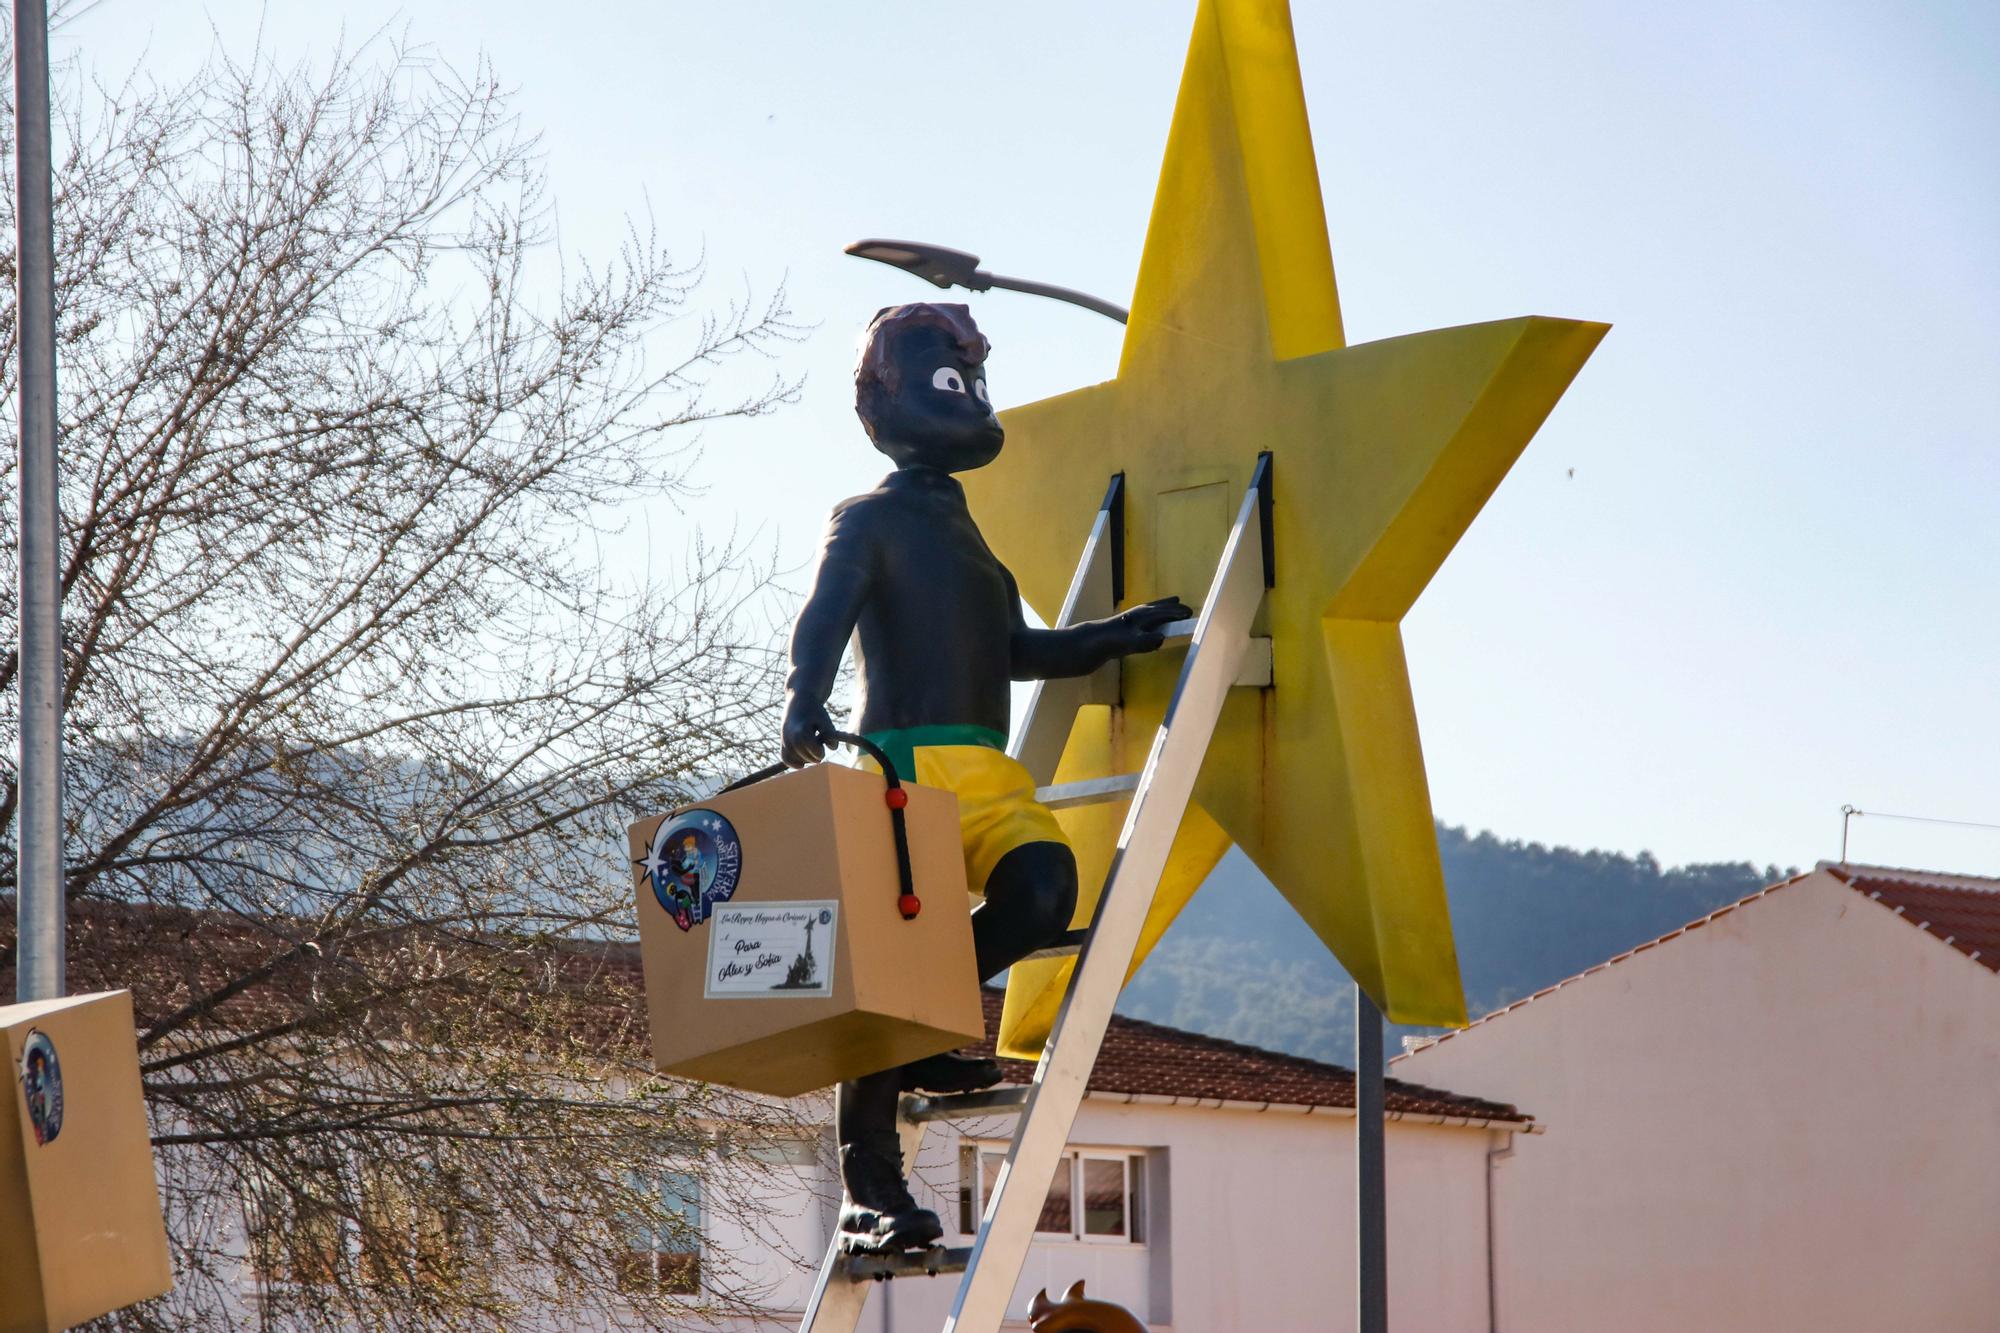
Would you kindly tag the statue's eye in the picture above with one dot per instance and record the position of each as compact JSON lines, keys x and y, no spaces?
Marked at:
{"x":979,"y":391}
{"x":944,"y":377}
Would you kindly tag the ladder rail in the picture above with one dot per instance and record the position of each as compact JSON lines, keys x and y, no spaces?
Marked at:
{"x":1220,"y":644}
{"x":837,"y":1297}
{"x":1052,"y":704}
{"x":836,"y":1301}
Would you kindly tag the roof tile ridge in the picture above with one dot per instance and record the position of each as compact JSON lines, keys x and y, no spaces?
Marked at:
{"x":1305,"y":1063}
{"x":1914,"y":917}
{"x":1851,"y":872}
{"x":1424,"y":1092}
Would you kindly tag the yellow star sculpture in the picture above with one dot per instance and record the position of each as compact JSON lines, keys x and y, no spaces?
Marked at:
{"x":1382,"y":455}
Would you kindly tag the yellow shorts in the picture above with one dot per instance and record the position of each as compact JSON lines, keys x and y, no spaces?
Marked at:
{"x":997,"y":809}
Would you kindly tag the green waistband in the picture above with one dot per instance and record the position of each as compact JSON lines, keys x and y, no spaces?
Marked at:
{"x":901,"y":744}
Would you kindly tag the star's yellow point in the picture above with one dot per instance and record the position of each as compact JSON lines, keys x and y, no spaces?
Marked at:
{"x":1382,"y":453}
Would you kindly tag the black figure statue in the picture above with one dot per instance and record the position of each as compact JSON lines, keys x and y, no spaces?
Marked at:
{"x":940,"y":635}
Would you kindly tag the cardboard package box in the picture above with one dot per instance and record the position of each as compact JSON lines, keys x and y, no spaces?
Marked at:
{"x":80,"y":1227}
{"x":776,"y":957}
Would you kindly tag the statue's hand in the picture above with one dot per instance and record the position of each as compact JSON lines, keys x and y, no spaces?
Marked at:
{"x":806,"y":728}
{"x":1143,"y":628}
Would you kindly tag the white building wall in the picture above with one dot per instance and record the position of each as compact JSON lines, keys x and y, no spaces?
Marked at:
{"x":774,"y":1258}
{"x":1261,"y":1231}
{"x":1788,"y":1118}
{"x":1250,"y":1226}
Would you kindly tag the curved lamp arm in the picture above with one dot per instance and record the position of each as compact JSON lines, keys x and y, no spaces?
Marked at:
{"x":942,"y":266}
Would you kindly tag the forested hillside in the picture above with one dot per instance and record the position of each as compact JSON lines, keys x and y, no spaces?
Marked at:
{"x":1240,"y":964}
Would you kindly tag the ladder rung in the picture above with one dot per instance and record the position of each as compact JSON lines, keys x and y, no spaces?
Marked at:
{"x":1090,"y":791}
{"x":948,"y":1106}
{"x":1256,"y":669}
{"x":911,"y":1263}
{"x":1070,"y":945}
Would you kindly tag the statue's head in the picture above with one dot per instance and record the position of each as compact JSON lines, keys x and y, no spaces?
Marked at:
{"x":920,"y":388}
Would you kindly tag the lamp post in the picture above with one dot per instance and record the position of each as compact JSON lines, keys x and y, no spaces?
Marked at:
{"x":942,"y":266}
{"x":38,"y":878}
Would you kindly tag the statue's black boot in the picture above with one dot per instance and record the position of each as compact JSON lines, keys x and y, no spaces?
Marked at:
{"x":878,"y":1216}
{"x":950,"y":1072}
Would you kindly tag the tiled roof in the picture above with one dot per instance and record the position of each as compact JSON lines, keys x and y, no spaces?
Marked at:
{"x":1152,"y":1060}
{"x":170,"y":957}
{"x":1961,"y":910}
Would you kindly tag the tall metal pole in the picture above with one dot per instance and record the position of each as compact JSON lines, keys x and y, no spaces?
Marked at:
{"x":39,"y":863}
{"x":1370,"y":1190}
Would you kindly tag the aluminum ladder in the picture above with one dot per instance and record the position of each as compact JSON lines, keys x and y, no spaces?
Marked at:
{"x":1221,"y":653}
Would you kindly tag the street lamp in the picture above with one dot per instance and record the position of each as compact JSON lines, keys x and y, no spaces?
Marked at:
{"x":38,"y":877}
{"x":942,"y":266}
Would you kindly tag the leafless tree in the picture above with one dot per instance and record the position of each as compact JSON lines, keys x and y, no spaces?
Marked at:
{"x":356,"y":717}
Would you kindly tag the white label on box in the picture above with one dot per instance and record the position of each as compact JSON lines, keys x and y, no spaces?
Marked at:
{"x":771,"y":950}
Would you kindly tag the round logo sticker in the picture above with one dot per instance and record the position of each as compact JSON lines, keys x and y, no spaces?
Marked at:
{"x":693,"y":864}
{"x":41,"y":1083}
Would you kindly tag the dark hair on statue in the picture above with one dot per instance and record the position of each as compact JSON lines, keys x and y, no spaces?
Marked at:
{"x":877,"y":375}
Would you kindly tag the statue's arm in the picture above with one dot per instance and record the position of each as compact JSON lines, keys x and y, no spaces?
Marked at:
{"x":820,"y":635}
{"x":1078,"y":650}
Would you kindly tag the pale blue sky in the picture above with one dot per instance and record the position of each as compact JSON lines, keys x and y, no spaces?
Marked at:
{"x":1767,"y":589}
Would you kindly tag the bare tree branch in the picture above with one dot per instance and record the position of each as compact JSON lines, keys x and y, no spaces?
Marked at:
{"x":354,"y":718}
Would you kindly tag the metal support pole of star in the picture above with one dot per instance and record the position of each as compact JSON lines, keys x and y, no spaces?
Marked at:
{"x":39,"y":956}
{"x":1371,"y":1220}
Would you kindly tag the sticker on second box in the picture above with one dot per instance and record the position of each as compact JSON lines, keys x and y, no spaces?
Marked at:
{"x":42,"y":1085}
{"x":770,"y":950}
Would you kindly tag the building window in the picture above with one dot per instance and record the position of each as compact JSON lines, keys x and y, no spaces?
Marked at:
{"x":397,"y":1234}
{"x":407,"y":1238}
{"x":1107,"y":1196}
{"x":786,"y":1152}
{"x":293,"y":1237}
{"x":1096,"y":1195}
{"x":665,"y":1257}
